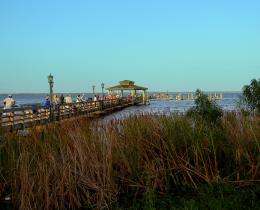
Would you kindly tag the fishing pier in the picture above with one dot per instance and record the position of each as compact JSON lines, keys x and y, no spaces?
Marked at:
{"x":26,"y":116}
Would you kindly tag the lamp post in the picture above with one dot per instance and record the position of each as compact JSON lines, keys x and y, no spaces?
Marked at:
{"x":51,"y":82}
{"x":102,"y":86}
{"x":93,"y":88}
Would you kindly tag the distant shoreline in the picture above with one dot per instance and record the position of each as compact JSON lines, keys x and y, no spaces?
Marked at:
{"x":211,"y":91}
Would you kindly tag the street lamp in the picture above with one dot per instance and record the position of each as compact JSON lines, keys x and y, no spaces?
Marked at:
{"x":93,"y":88}
{"x":51,"y":82}
{"x":102,"y":86}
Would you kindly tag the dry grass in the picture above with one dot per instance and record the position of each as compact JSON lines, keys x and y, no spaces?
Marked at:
{"x":81,"y":164}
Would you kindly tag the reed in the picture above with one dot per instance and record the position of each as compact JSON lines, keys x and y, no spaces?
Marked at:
{"x":78,"y":163}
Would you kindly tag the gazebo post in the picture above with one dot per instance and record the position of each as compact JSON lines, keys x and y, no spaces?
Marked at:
{"x":133,"y":96}
{"x":147,"y":97}
{"x":143,"y":96}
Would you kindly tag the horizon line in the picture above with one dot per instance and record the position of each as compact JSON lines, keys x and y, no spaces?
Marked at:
{"x":217,"y":91}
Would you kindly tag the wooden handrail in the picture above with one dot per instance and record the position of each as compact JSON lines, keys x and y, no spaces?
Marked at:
{"x":30,"y":115}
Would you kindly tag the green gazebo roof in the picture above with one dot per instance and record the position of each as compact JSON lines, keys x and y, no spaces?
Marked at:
{"x":126,"y":85}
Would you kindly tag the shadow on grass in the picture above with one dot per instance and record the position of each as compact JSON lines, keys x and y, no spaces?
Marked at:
{"x":216,"y":197}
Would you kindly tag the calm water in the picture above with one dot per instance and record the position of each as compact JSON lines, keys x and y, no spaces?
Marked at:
{"x":229,"y":103}
{"x":159,"y":107}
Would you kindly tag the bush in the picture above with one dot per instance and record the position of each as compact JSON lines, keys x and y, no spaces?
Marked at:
{"x":205,"y":109}
{"x":250,"y":100}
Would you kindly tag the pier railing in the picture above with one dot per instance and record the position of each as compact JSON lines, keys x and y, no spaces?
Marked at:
{"x":31,"y":115}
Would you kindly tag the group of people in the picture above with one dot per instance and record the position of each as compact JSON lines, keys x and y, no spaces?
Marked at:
{"x":112,"y":97}
{"x":106,"y":97}
{"x":9,"y":102}
{"x":60,"y":100}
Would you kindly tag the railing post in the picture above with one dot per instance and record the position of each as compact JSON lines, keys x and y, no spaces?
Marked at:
{"x":71,"y":110}
{"x":58,"y":112}
{"x":47,"y":114}
{"x":23,"y":118}
{"x":61,"y":111}
{"x":31,"y":116}
{"x":39,"y":114}
{"x":85,"y":107}
{"x":1,"y":116}
{"x":11,"y":119}
{"x":51,"y":113}
{"x":102,"y":104}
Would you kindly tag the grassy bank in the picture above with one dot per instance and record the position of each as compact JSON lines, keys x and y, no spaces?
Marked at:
{"x":146,"y":162}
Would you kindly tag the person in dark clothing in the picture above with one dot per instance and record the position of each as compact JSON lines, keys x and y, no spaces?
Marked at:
{"x":35,"y":109}
{"x":62,"y":99}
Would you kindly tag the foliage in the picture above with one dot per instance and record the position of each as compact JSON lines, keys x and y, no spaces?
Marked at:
{"x":217,"y":196}
{"x":251,"y":96}
{"x":208,"y":110}
{"x":77,"y":164}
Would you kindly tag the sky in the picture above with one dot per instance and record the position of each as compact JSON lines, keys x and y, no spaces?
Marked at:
{"x":174,"y":45}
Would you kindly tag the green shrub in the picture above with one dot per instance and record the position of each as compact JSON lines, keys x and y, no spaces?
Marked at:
{"x":250,"y":100}
{"x":205,"y":109}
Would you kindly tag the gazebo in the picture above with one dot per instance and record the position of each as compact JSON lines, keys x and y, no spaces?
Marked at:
{"x":128,"y":85}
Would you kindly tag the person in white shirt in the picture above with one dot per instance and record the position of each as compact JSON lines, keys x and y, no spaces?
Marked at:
{"x":9,"y":102}
{"x":56,"y":99}
{"x":68,"y":99}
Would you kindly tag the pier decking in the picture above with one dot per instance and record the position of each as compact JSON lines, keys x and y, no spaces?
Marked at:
{"x":33,"y":115}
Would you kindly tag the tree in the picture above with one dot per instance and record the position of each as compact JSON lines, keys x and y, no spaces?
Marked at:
{"x":206,"y":109}
{"x":251,"y":96}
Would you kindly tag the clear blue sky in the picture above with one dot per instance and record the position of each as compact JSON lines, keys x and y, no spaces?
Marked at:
{"x":174,"y":45}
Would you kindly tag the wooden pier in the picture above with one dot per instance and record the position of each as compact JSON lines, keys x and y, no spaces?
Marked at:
{"x":33,"y":115}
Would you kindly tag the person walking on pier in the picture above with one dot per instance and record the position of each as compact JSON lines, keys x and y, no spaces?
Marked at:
{"x":9,"y":102}
{"x":46,"y":103}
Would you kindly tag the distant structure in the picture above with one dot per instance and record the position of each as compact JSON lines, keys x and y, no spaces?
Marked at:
{"x":215,"y":96}
{"x":129,"y":86}
{"x":183,"y":96}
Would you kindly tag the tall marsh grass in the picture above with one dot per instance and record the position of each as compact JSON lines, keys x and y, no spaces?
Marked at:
{"x":77,"y":164}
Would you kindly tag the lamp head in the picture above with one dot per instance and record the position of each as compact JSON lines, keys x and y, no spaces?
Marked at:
{"x":50,"y":79}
